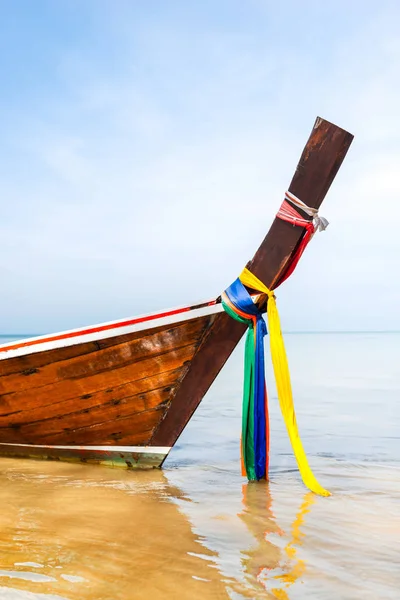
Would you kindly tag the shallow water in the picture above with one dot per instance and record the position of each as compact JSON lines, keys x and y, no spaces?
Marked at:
{"x":197,"y":529}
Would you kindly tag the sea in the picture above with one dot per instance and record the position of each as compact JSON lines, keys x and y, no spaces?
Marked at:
{"x":197,"y":529}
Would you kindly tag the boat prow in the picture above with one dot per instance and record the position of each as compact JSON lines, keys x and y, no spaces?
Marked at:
{"x":121,"y":393}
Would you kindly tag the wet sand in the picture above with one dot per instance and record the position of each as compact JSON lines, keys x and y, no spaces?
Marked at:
{"x":97,"y":533}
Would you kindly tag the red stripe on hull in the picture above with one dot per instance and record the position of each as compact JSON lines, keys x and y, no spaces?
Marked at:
{"x":108,"y":327}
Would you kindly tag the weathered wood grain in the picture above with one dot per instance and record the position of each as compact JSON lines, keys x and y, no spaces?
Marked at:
{"x":112,"y":395}
{"x":127,"y":430}
{"x":65,"y":389}
{"x":63,"y":426}
{"x":72,"y":397}
{"x":51,"y":365}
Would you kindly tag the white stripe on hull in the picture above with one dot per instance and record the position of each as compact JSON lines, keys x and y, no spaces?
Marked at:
{"x":109,"y":333}
{"x":127,"y":457}
{"x":106,"y":449}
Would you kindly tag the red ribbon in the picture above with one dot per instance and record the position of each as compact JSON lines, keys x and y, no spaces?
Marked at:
{"x":289,"y":214}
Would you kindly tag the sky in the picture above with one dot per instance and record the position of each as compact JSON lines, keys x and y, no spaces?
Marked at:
{"x":146,"y":146}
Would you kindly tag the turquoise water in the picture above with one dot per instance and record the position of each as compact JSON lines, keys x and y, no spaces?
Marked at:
{"x":198,"y":530}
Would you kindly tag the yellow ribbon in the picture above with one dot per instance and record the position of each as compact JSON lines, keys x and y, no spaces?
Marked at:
{"x":283,"y":384}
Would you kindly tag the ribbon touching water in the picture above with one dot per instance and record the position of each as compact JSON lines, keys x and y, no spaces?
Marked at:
{"x":255,"y":427}
{"x":239,"y":304}
{"x":283,"y":383}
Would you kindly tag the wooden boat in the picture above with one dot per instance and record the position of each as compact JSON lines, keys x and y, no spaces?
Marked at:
{"x":121,"y":393}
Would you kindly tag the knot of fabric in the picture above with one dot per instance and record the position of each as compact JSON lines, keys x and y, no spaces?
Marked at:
{"x":320,"y":223}
{"x":288,"y":212}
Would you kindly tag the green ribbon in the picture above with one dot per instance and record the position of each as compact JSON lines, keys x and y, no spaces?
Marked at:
{"x":248,"y":395}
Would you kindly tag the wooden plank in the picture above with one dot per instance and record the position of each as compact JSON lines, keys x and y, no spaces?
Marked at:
{"x":68,"y":389}
{"x":128,"y":430}
{"x":57,"y":427}
{"x":136,"y":391}
{"x":320,"y":161}
{"x":28,"y":363}
{"x":82,"y":364}
{"x":104,"y":432}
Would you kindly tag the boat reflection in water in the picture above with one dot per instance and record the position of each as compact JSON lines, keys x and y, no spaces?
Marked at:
{"x":85,"y":533}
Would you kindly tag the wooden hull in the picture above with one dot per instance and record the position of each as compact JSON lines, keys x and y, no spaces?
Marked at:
{"x":98,"y":401}
{"x":122,"y":393}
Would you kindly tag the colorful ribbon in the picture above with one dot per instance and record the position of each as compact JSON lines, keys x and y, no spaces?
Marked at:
{"x":287,"y":212}
{"x":255,"y":429}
